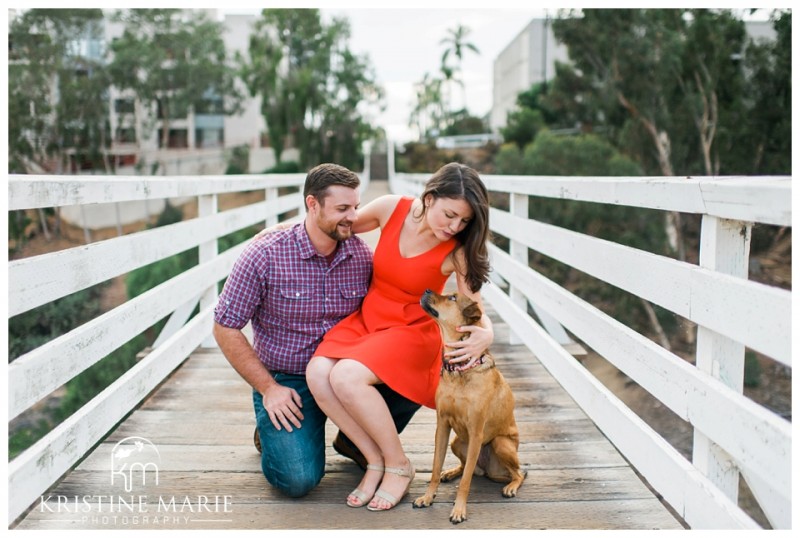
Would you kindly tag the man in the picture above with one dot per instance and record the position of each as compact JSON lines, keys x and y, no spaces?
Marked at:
{"x":293,"y":285}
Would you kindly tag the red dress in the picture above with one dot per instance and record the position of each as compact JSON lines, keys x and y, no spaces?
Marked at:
{"x":391,"y":334}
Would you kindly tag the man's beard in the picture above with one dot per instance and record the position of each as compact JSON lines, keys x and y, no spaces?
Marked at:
{"x":336,"y":232}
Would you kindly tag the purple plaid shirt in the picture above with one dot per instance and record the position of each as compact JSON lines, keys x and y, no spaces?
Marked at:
{"x":292,"y":295}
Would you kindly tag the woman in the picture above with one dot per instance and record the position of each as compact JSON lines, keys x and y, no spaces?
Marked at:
{"x":390,"y":339}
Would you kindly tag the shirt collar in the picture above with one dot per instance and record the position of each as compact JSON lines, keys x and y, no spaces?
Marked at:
{"x":307,"y":249}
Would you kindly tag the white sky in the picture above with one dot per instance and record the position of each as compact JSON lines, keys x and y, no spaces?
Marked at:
{"x":403,"y":43}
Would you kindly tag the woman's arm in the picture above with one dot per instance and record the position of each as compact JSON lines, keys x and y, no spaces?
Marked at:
{"x":481,"y":336}
{"x":375,"y":213}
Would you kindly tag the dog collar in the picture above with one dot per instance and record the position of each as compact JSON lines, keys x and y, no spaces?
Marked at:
{"x":450,"y":367}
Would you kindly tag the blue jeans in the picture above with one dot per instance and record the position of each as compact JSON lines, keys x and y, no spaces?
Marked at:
{"x":294,"y":462}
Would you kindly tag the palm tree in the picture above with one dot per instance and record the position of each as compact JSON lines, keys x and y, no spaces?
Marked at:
{"x":456,"y":44}
{"x":428,"y":113}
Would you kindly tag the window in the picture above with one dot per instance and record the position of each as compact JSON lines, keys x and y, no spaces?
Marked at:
{"x":124,"y":106}
{"x":209,"y":138}
{"x":125,"y":135}
{"x":176,"y":110}
{"x":178,"y":138}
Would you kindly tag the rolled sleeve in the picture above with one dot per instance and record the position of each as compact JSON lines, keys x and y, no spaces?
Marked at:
{"x":243,"y":291}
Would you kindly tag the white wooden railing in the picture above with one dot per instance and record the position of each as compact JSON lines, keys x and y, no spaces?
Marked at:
{"x":40,"y":279}
{"x":733,"y":434}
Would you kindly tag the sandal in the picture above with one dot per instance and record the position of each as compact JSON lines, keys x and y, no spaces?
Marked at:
{"x":360,"y":495}
{"x":382,"y":494}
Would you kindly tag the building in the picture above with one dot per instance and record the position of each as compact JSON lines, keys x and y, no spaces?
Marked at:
{"x":527,"y":60}
{"x":198,"y":139}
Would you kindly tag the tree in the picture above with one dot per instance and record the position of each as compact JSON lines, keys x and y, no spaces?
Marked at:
{"x":172,"y":61}
{"x":631,"y":58}
{"x":57,"y":89}
{"x":428,"y":114}
{"x":766,"y":130}
{"x":672,"y":72}
{"x":304,"y":73}
{"x":456,"y":44}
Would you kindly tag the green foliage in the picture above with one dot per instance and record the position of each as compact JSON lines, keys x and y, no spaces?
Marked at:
{"x":752,"y":370}
{"x":284,"y":167}
{"x":18,"y":221}
{"x":172,"y":63}
{"x":587,"y":155}
{"x":522,"y":125}
{"x":21,"y":439}
{"x":48,"y":64}
{"x":312,"y":87}
{"x":680,"y":91}
{"x":422,"y":158}
{"x":144,"y":278}
{"x":37,"y":326}
{"x":461,"y":123}
{"x":238,"y":160}
{"x":100,"y":375}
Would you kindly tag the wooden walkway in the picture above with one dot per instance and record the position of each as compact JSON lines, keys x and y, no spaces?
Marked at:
{"x":209,"y":474}
{"x":201,"y":421}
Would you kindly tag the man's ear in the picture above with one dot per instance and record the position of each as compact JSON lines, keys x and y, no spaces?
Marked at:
{"x":311,"y":203}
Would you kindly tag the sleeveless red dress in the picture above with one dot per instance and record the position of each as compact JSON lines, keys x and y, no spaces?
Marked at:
{"x":391,"y":334}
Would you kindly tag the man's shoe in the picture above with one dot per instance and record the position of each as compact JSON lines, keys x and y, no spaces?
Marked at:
{"x":257,"y":440}
{"x":347,"y":450}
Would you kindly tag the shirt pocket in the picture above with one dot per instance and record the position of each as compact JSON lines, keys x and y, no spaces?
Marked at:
{"x":295,"y":302}
{"x":350,"y":298}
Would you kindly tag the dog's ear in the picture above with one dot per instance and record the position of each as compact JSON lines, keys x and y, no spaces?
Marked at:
{"x":471,"y":312}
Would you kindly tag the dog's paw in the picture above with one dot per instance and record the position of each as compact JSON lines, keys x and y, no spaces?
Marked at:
{"x":424,"y":501}
{"x":510,"y":491}
{"x":452,"y":474}
{"x":458,"y":515}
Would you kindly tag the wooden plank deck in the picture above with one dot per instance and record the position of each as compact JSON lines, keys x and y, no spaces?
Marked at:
{"x":201,"y":421}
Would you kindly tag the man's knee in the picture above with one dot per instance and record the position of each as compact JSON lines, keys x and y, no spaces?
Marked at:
{"x":294,"y":483}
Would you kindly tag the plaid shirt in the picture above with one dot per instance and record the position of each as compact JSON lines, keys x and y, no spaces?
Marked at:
{"x":292,"y":295}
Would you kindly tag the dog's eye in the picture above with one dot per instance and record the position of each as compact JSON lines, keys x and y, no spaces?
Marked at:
{"x":451,"y":297}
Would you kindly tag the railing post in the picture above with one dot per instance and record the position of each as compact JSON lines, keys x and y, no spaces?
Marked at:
{"x":207,"y":206}
{"x":724,"y":248}
{"x":271,"y":193}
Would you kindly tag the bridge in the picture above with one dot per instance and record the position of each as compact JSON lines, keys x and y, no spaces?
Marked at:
{"x":592,"y":462}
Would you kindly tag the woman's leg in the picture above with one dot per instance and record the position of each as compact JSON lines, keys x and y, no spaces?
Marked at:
{"x":353,"y":384}
{"x":318,"y":377}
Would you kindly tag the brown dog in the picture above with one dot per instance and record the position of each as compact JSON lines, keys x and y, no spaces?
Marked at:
{"x":478,"y":405}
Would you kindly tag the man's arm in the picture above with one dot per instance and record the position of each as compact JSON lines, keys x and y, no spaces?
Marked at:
{"x":282,"y":403}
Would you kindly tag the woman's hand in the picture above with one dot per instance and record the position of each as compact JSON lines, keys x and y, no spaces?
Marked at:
{"x":274,"y":228}
{"x":468,"y":351}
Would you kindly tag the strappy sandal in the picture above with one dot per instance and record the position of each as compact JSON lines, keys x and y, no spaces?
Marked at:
{"x":362,"y":497}
{"x":410,"y":472}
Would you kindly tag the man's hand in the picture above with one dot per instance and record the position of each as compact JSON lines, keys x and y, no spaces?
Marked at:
{"x":283,"y":406}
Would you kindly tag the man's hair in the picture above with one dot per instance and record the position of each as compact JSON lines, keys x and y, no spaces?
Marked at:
{"x":323,"y":176}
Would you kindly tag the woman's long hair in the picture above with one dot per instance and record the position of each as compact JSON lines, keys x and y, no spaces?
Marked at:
{"x":458,"y":181}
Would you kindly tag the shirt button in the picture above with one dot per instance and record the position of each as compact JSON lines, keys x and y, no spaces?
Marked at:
{"x":297,"y":294}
